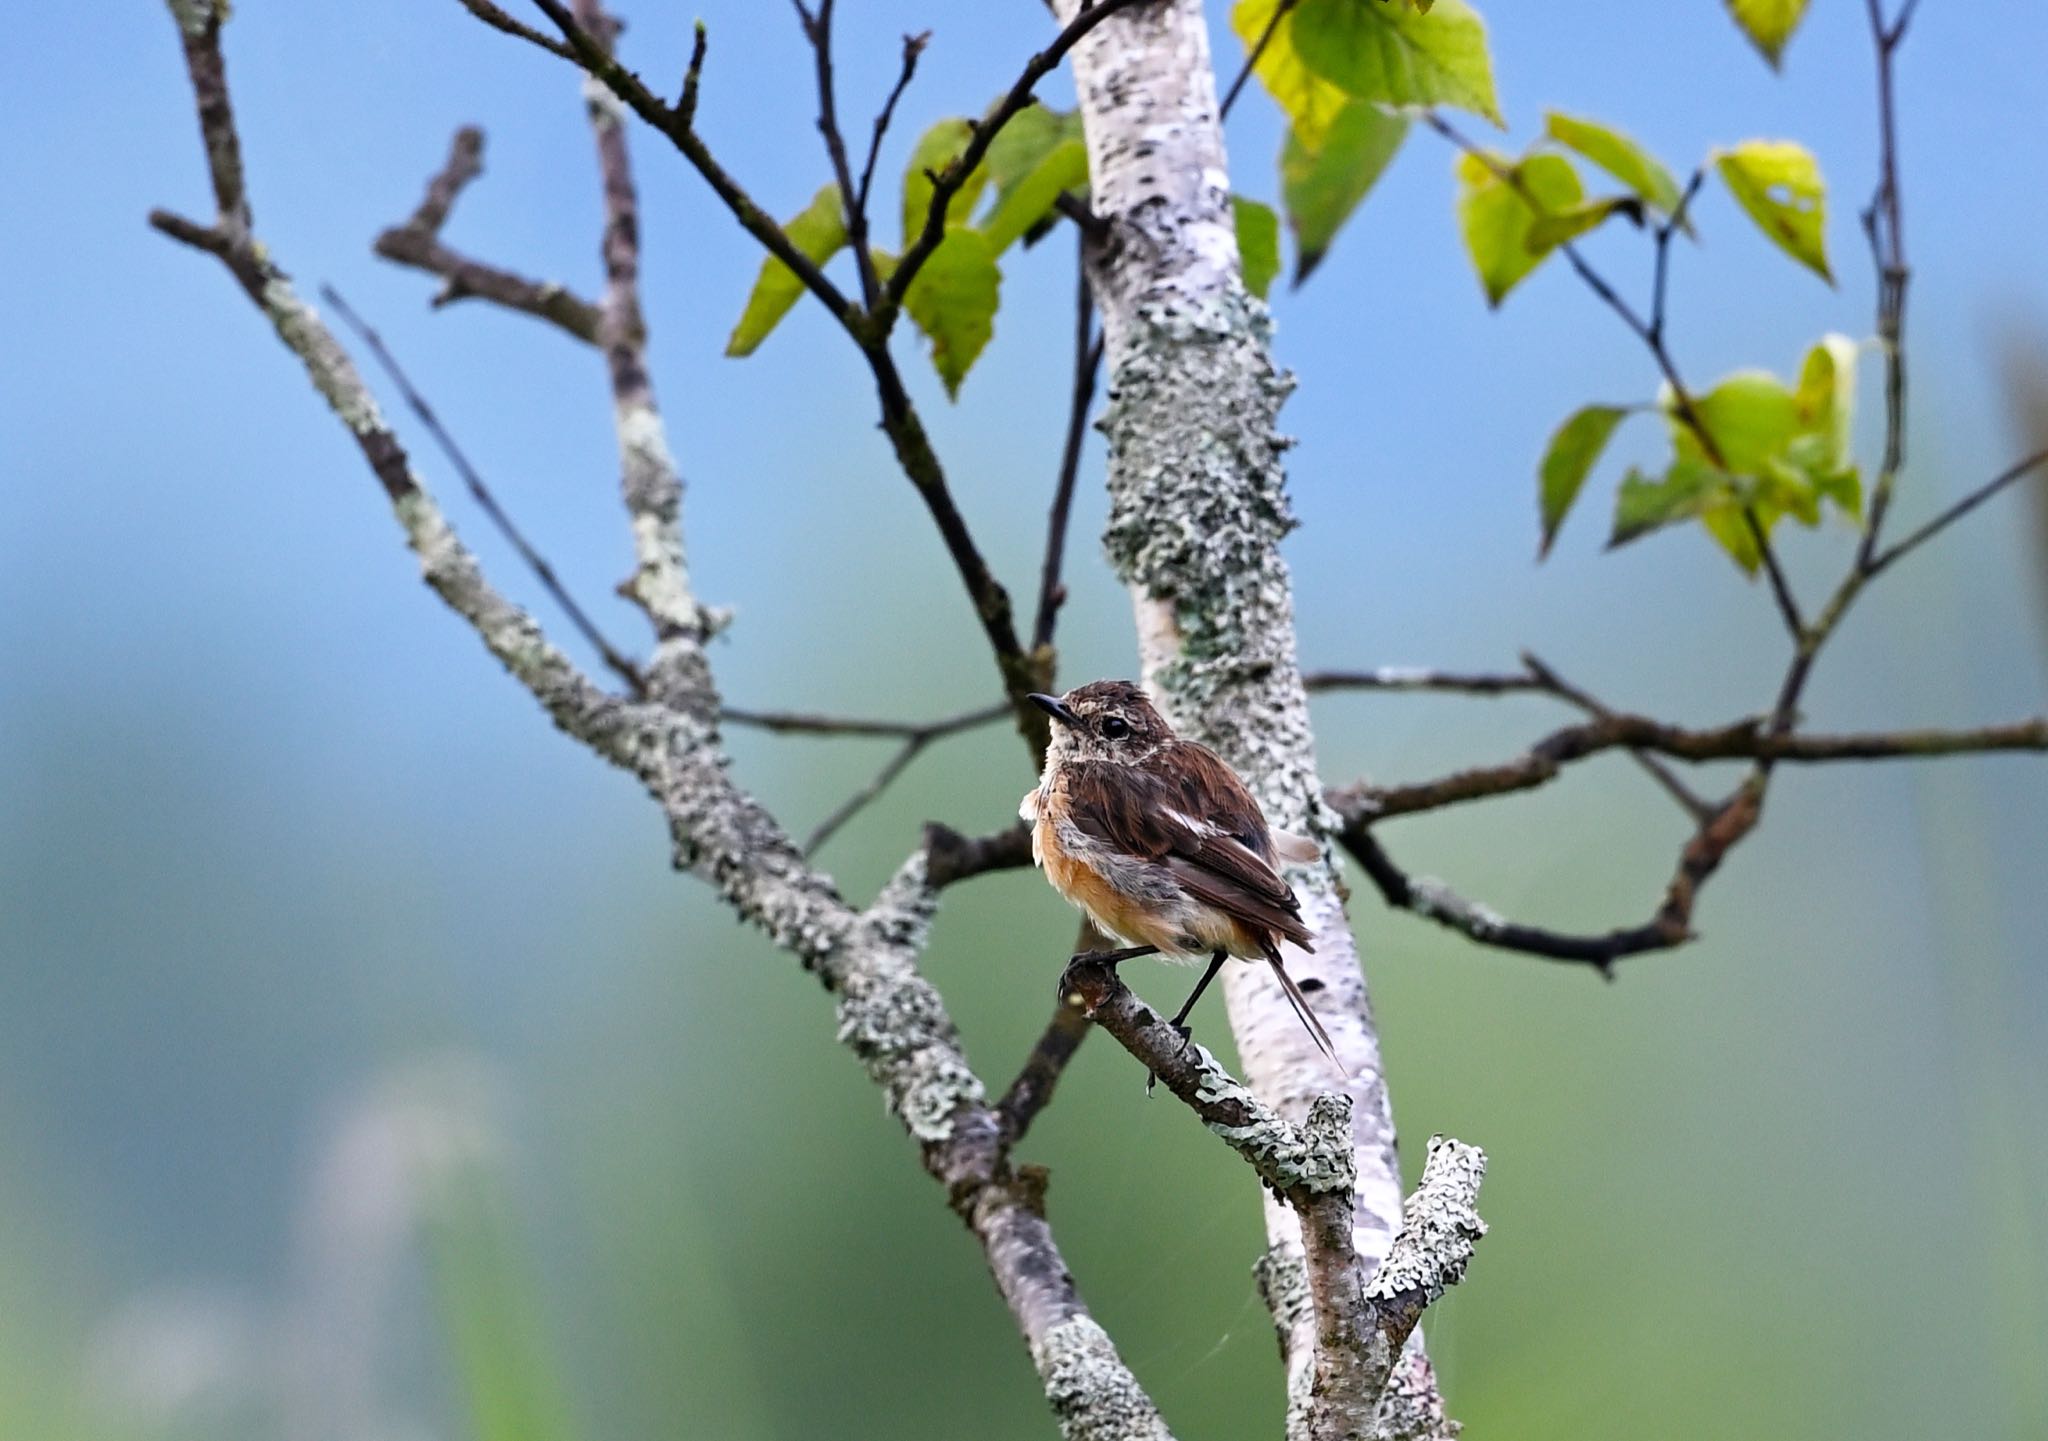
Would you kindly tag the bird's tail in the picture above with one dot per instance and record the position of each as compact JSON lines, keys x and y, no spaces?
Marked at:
{"x":1301,"y":1009}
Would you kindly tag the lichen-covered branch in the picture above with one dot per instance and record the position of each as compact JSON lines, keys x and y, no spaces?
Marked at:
{"x":888,"y":1014}
{"x":1362,"y":1313}
{"x":417,"y":242}
{"x":1197,"y":510}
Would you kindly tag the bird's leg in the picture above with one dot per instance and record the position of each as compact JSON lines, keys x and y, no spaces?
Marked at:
{"x":1179,"y":1021}
{"x":1111,"y":958}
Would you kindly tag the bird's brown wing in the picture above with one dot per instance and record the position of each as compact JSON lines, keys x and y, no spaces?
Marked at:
{"x":1186,"y":809}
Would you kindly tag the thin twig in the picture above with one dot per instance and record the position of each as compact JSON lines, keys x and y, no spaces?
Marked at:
{"x":814,"y":723}
{"x":1052,"y":592}
{"x":817,"y":29}
{"x":624,"y":668}
{"x":913,"y":46}
{"x":1254,"y":55}
{"x":951,"y":856}
{"x":1033,"y":1089}
{"x":1689,"y":800}
{"x":2016,"y":471}
{"x":417,"y":242}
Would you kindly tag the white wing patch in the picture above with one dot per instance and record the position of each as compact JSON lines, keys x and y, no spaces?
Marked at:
{"x":1291,"y":847}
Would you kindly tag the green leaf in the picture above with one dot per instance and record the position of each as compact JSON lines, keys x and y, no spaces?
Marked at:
{"x":1029,"y":199}
{"x":1751,"y":415}
{"x":1029,"y":136}
{"x":1569,"y":460}
{"x":1616,"y":154}
{"x":1258,"y":243}
{"x":1827,"y":391}
{"x":1778,"y":184}
{"x":936,"y":149}
{"x":1768,"y":23}
{"x":1547,"y":232}
{"x":1395,"y":56}
{"x":1496,"y":216}
{"x":1321,"y":187}
{"x":1646,"y":503}
{"x":817,"y":232}
{"x":1311,"y":104}
{"x":953,"y":300}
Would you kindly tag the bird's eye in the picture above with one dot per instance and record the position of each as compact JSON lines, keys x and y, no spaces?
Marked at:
{"x":1115,"y":728}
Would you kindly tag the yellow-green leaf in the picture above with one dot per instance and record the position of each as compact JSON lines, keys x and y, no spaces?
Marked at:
{"x":1751,"y":416}
{"x":1616,"y":154}
{"x":1778,"y":184}
{"x":1394,"y":56}
{"x":818,"y":232}
{"x":1030,"y":199}
{"x":1768,"y":23}
{"x":1568,"y":461}
{"x":1258,"y":243}
{"x":1321,"y":187}
{"x":1311,"y":103}
{"x":936,"y":149}
{"x":1646,"y":503}
{"x":1496,"y":216}
{"x":1547,"y":232}
{"x":953,"y":300}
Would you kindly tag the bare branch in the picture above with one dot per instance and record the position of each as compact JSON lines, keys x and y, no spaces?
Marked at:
{"x":1052,"y":592}
{"x":649,"y":482}
{"x":1254,"y":55}
{"x":956,"y":857}
{"x":2018,"y":470}
{"x":481,"y":493}
{"x":818,"y":31}
{"x":913,"y":46}
{"x":417,"y":242}
{"x":1032,"y":1091}
{"x":811,"y":723}
{"x":1421,"y":678}
{"x":497,"y":19}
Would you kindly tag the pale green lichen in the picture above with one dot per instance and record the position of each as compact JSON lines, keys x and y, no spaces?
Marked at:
{"x":1092,"y":1392}
{"x":333,"y":373}
{"x":194,"y":16}
{"x":1440,"y":1225}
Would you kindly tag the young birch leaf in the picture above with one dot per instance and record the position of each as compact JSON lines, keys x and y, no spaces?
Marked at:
{"x":1569,"y":460}
{"x":1310,"y":103}
{"x":1646,"y":503}
{"x":1618,"y":155}
{"x":1750,"y":414}
{"x":953,"y":300}
{"x":1768,"y":23}
{"x":1547,"y":232}
{"x":1395,"y":56}
{"x":1031,"y":198}
{"x":818,"y":232}
{"x":1027,"y":139}
{"x":1320,"y":188}
{"x":1496,"y":218}
{"x":937,"y":148}
{"x":1258,"y":243}
{"x":1778,"y":184}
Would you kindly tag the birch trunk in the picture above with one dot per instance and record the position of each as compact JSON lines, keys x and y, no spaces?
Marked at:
{"x":1197,"y":511}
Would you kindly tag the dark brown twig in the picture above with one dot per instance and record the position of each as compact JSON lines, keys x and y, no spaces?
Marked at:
{"x":1254,"y":55}
{"x":417,"y":242}
{"x":913,"y":46}
{"x":951,"y":856}
{"x":1052,"y":592}
{"x":1032,"y":1091}
{"x":2014,"y":472}
{"x":817,"y":27}
{"x":619,"y":664}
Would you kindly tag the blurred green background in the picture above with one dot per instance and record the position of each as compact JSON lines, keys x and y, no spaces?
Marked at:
{"x":364,"y":1072}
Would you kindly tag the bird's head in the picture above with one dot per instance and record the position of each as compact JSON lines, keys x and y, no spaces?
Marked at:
{"x":1105,"y":720}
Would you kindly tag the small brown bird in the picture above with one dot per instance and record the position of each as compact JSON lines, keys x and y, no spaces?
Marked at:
{"x":1158,"y":843}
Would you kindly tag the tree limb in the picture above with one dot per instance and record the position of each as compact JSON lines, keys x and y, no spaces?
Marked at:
{"x":888,"y":1014}
{"x":417,"y":242}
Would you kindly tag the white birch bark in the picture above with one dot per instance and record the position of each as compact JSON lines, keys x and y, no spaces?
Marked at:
{"x":1197,"y":511}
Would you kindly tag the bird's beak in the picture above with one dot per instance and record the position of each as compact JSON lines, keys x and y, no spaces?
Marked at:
{"x":1053,"y":706}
